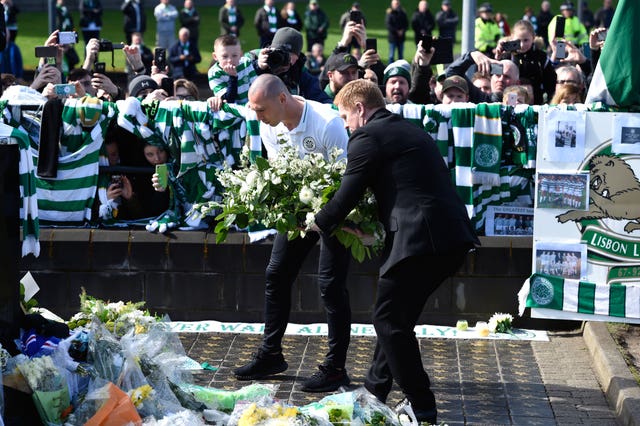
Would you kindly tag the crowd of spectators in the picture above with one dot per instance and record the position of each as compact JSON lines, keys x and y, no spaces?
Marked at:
{"x":513,"y":63}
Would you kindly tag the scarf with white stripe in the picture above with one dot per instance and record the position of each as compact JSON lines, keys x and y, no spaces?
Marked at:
{"x":273,"y":19}
{"x":219,"y":79}
{"x":553,"y":292}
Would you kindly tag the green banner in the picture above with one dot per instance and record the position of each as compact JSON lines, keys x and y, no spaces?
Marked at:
{"x":611,"y":246}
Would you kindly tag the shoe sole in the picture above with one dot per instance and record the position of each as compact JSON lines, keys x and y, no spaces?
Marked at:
{"x":331,"y":388}
{"x":280,"y":369}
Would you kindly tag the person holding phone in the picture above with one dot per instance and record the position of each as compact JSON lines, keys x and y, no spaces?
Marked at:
{"x":354,"y":14}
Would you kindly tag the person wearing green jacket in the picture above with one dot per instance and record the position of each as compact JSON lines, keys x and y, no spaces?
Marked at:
{"x":487,"y":31}
{"x":574,"y":30}
{"x":316,"y":23}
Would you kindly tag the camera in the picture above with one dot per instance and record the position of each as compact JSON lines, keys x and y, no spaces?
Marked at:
{"x":278,"y":59}
{"x":67,"y":37}
{"x":511,"y":46}
{"x":108,"y":46}
{"x":356,"y":16}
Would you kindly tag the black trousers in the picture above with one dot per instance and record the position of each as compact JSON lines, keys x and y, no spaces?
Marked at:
{"x":402,"y":294}
{"x":285,"y":262}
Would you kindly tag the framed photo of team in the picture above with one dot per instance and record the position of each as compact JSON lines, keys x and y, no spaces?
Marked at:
{"x":562,"y":190}
{"x":506,"y":220}
{"x":562,"y":259}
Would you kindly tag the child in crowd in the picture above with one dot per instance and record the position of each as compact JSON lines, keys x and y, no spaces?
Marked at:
{"x":232,"y":73}
{"x":532,"y":62}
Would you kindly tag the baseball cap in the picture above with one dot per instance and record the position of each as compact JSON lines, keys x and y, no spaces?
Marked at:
{"x":341,"y":62}
{"x":567,"y":5}
{"x":485,"y":7}
{"x":457,"y":82}
{"x":400,"y":68}
{"x":288,"y":39}
{"x":140,"y":83}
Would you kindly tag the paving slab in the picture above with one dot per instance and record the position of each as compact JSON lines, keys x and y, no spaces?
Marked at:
{"x":476,"y":382}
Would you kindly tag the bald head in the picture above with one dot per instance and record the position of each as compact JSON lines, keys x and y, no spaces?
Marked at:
{"x":267,"y":86}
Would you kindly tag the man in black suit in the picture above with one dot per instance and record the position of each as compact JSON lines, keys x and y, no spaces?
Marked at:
{"x":428,"y":232}
{"x":183,"y":56}
{"x":135,"y":19}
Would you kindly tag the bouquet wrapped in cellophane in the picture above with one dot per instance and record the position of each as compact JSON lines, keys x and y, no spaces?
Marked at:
{"x":285,"y":193}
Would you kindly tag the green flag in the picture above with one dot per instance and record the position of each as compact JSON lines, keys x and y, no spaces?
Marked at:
{"x":616,"y":79}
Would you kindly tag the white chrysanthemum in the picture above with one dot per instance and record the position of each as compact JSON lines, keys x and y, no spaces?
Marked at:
{"x":306,"y":195}
{"x":500,"y":322}
{"x":252,"y":176}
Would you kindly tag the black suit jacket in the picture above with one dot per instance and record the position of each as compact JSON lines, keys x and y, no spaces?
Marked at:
{"x":417,"y":202}
{"x":179,"y":69}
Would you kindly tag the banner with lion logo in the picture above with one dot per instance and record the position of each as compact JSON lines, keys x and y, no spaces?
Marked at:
{"x":587,"y":211}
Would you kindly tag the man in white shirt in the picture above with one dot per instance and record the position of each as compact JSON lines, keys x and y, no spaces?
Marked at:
{"x":311,"y":127}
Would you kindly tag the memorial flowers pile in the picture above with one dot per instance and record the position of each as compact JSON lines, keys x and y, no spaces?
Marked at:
{"x":285,"y":193}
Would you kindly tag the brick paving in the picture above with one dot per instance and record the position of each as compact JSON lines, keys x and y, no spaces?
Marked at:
{"x":490,"y":382}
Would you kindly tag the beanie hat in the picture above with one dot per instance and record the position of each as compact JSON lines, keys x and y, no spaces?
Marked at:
{"x":288,"y":39}
{"x":140,"y":83}
{"x":485,"y":7}
{"x":457,"y":82}
{"x":399,"y":68}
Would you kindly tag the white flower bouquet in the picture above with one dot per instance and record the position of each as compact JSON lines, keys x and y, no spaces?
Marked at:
{"x":285,"y":193}
{"x":50,"y":391}
{"x":500,"y":323}
{"x":117,"y":317}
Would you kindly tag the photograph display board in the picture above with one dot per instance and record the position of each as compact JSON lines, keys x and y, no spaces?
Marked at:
{"x":586,"y":239}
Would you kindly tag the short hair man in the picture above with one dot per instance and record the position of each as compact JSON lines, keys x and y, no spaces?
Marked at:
{"x":455,"y":89}
{"x":430,"y":231}
{"x":310,"y":127}
{"x":341,"y":69}
{"x":397,"y":82}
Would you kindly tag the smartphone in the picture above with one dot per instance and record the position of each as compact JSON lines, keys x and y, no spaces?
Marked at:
{"x":427,"y":42}
{"x":371,"y":43}
{"x":160,"y":58}
{"x":116,"y":180}
{"x":64,"y":89}
{"x":602,"y":35}
{"x":511,"y":46}
{"x":46,"y":51}
{"x":443,"y":53}
{"x":559,"y":26}
{"x":166,"y":84}
{"x":161,"y":170}
{"x":355,"y":16}
{"x":67,"y":37}
{"x":100,"y":67}
{"x":496,"y":69}
{"x":512,"y":99}
{"x":561,"y":50}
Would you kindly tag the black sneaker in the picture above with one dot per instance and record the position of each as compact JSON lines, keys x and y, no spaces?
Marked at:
{"x":326,"y":380}
{"x":423,"y":416}
{"x":262,"y":365}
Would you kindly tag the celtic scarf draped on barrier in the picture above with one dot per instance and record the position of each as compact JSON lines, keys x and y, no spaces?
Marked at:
{"x":200,"y":141}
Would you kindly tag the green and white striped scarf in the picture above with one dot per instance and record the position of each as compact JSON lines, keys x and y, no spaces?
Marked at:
{"x":553,"y":292}
{"x":68,"y":198}
{"x":28,"y":198}
{"x":273,"y":19}
{"x":252,"y":130}
{"x":219,"y":79}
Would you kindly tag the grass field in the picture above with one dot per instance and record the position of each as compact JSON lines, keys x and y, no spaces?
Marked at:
{"x":32,"y":26}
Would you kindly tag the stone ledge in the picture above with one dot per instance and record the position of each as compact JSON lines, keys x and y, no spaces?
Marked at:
{"x":620,"y":387}
{"x":190,"y":237}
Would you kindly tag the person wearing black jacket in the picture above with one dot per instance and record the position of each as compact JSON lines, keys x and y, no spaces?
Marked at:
{"x":544,"y":18}
{"x":190,"y":19}
{"x":397,"y":24}
{"x":135,"y":19}
{"x":90,"y":19}
{"x":428,"y":233}
{"x":422,"y":21}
